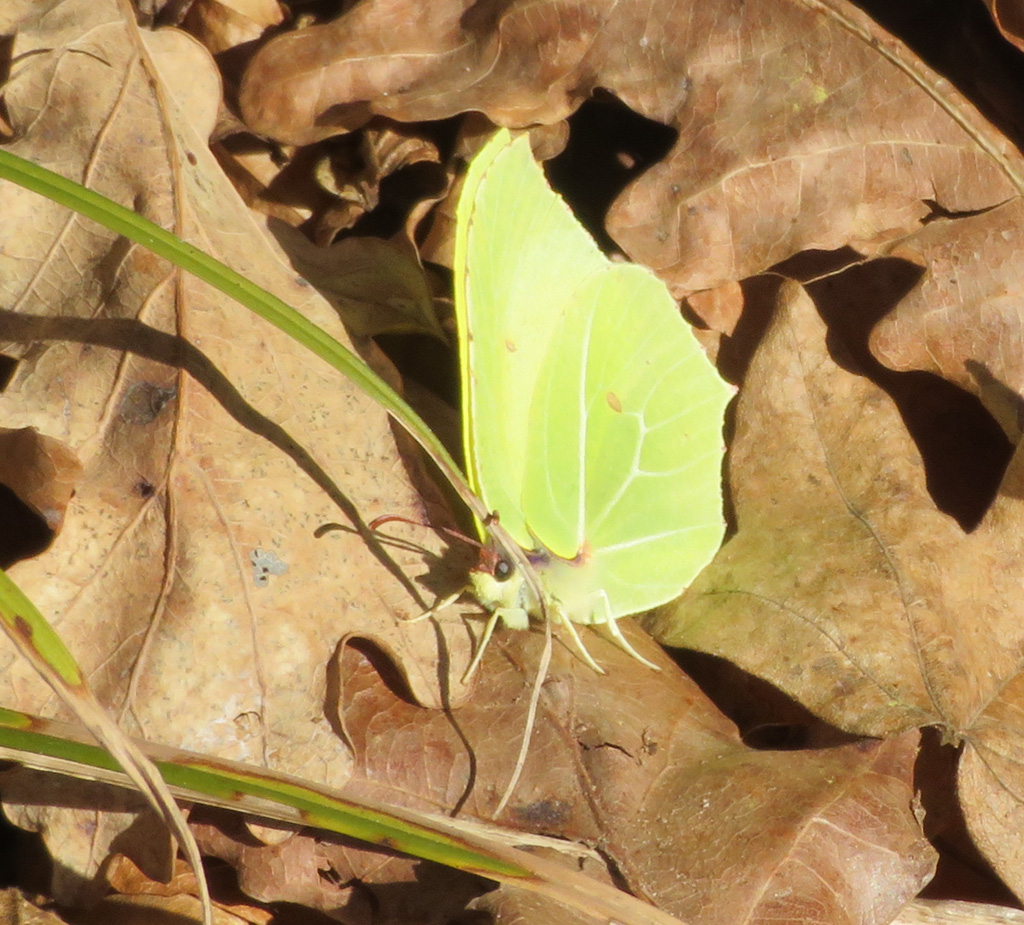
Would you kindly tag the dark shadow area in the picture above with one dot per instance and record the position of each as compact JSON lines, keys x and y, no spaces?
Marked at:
{"x":7,"y":367}
{"x":767,"y":718}
{"x":610,"y":145}
{"x":736,"y":351}
{"x":962,"y":873}
{"x":964,"y":450}
{"x":378,"y":660}
{"x":960,"y":41}
{"x":24,"y":860}
{"x":399,"y":192}
{"x":430,"y":363}
{"x":23,"y":533}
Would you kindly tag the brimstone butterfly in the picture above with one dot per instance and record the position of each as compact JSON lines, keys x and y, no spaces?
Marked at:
{"x":592,"y":419}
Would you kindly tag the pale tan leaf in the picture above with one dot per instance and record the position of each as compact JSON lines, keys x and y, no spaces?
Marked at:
{"x":210,"y":444}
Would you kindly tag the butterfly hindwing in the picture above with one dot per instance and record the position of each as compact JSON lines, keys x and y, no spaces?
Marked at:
{"x":624,"y":452}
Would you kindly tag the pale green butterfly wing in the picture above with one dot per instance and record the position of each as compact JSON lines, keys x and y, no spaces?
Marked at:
{"x":592,"y":419}
{"x":515,"y":240}
{"x":625,"y":450}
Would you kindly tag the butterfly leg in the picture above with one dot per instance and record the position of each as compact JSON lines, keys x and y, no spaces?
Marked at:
{"x":440,"y":605}
{"x":603,"y":615}
{"x":485,"y":638}
{"x":560,"y":615}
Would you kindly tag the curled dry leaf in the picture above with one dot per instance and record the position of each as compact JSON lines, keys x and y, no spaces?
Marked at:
{"x":353,"y":172}
{"x":801,"y":125}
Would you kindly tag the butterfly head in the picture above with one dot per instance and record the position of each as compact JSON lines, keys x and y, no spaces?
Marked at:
{"x":498,"y":585}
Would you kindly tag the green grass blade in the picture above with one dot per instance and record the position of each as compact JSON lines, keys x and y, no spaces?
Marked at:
{"x":30,"y":632}
{"x":60,"y":748}
{"x":227,"y":784}
{"x":125,"y":222}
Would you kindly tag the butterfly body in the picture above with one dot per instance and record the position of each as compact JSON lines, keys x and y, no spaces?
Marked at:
{"x":571,"y":596}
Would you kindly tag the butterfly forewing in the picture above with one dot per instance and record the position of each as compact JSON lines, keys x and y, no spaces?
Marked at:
{"x":515,"y":239}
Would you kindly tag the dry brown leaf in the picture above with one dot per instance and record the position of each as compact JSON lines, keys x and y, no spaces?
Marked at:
{"x":868,"y":604}
{"x":642,"y":766}
{"x":953,"y":912}
{"x":212,"y":447}
{"x":801,"y":125}
{"x":963,"y":319}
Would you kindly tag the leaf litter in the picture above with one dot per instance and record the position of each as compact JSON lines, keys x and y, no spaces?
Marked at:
{"x":801,"y":126}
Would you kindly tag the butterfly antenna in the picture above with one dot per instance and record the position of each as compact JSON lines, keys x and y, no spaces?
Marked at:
{"x":379,"y":522}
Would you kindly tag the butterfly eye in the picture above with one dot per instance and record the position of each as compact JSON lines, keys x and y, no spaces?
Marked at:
{"x":503,"y":570}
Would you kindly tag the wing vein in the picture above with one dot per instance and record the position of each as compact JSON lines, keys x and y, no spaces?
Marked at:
{"x":581,"y":463}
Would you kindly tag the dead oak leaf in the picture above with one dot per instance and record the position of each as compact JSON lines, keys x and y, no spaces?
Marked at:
{"x":640,"y":765}
{"x":801,"y":124}
{"x":847,"y":588}
{"x":188,"y":578}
